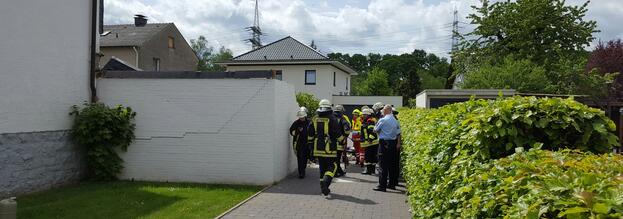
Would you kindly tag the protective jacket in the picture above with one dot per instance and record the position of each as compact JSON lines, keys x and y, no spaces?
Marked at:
{"x":368,"y":137}
{"x":357,"y":121}
{"x":324,"y":132}
{"x":345,"y":129}
{"x":300,"y":131}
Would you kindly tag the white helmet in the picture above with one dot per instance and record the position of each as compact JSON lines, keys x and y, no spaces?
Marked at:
{"x":324,"y":103}
{"x":301,"y":113}
{"x":339,"y":108}
{"x":378,"y":106}
{"x":304,"y":109}
{"x":367,"y":112}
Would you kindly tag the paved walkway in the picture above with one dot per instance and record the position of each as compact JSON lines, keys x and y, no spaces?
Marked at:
{"x":352,"y":197}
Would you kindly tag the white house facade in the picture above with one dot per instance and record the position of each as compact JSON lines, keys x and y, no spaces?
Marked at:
{"x":303,"y":67}
{"x":47,"y":59}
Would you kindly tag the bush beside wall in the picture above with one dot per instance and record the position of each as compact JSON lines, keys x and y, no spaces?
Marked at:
{"x":447,"y":151}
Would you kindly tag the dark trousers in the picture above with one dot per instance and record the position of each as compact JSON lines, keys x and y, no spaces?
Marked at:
{"x":371,"y":153}
{"x":301,"y":157}
{"x":389,"y":163}
{"x":328,"y":166}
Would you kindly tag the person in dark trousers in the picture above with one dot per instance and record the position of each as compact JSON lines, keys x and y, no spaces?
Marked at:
{"x":300,"y":131}
{"x":341,"y":143}
{"x":324,"y":132}
{"x":388,"y":129}
{"x":310,"y":147}
{"x":369,"y":142}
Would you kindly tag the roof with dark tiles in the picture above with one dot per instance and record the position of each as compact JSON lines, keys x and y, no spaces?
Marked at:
{"x":287,"y":48}
{"x":129,"y":34}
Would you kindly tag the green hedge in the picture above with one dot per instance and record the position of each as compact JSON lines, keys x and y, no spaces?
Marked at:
{"x":445,"y":147}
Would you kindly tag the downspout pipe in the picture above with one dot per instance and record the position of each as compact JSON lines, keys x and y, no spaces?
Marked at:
{"x":94,"y":33}
{"x":136,"y":53}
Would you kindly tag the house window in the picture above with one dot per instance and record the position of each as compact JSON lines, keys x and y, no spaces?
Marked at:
{"x":171,"y":43}
{"x":279,"y":75}
{"x":156,"y":64}
{"x":347,"y":79}
{"x":333,"y":79}
{"x":310,"y":77}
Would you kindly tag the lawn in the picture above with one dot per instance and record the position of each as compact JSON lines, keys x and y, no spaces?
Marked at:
{"x":133,"y":200}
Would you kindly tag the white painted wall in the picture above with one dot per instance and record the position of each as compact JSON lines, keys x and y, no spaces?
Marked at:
{"x":206,"y":130}
{"x":44,"y":63}
{"x":368,"y":100}
{"x":295,"y":75}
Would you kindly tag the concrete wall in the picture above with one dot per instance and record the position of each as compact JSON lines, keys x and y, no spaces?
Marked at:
{"x":182,"y":58}
{"x":44,"y":70}
{"x":295,"y":75}
{"x":206,"y":130}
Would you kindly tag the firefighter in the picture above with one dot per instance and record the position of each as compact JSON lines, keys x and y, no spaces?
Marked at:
{"x":300,"y":131}
{"x":377,"y":107}
{"x":325,"y":133}
{"x":357,"y":120}
{"x":370,"y":142}
{"x":310,"y":147}
{"x":345,"y":128}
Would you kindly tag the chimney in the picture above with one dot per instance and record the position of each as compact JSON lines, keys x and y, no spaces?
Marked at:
{"x":140,"y":20}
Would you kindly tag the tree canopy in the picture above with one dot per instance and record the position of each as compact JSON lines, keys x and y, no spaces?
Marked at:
{"x":608,"y":58}
{"x":407,"y":74}
{"x":546,"y":38}
{"x":207,"y":56}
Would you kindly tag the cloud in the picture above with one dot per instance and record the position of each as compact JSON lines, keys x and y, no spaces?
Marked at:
{"x":377,"y":26}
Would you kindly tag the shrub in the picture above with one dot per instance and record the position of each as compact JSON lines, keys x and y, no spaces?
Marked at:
{"x":545,"y":184}
{"x":101,"y":130}
{"x":443,"y":147}
{"x":307,"y":100}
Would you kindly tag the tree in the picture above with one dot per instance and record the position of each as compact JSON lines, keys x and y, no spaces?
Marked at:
{"x":410,"y":85}
{"x":542,"y":31}
{"x":203,"y":52}
{"x":375,"y":84}
{"x":307,"y":100}
{"x":223,"y":54}
{"x":206,"y":55}
{"x":547,"y":34}
{"x":522,"y":75}
{"x":608,"y":58}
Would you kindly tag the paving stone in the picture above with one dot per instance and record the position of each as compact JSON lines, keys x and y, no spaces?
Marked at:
{"x":351,"y":197}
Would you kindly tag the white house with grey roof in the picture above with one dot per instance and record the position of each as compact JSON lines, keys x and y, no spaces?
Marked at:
{"x":300,"y":65}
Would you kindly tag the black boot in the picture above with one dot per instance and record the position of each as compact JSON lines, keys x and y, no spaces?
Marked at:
{"x":324,"y":185}
{"x":371,"y":169}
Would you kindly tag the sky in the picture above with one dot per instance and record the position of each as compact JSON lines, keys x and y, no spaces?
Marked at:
{"x":346,"y":26}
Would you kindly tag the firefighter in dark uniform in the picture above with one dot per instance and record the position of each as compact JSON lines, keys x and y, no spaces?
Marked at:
{"x":369,"y":142}
{"x":324,"y":132}
{"x":345,"y":132}
{"x":300,"y":131}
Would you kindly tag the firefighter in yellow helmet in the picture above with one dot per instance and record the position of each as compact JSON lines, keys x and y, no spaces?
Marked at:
{"x":325,"y":133}
{"x":345,"y":128}
{"x":357,"y":121}
{"x":370,"y":141}
{"x":300,"y":131}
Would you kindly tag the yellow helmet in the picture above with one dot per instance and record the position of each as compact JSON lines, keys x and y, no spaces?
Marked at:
{"x":357,"y":112}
